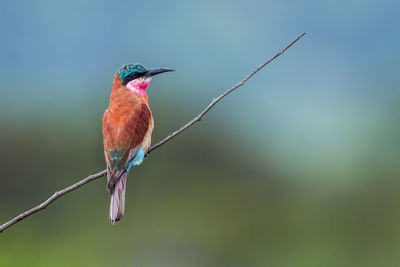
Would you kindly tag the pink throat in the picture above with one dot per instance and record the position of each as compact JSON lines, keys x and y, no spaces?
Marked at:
{"x":139,"y":85}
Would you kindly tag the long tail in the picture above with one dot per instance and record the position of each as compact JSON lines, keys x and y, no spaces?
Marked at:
{"x":117,"y":205}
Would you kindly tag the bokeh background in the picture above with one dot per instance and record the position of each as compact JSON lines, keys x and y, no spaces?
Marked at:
{"x":300,"y":167}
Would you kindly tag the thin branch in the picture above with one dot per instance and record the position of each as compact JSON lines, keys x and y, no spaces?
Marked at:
{"x":95,"y":176}
{"x":216,"y":100}
{"x":52,"y":199}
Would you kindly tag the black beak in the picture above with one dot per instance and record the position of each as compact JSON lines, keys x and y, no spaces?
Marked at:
{"x":155,"y":71}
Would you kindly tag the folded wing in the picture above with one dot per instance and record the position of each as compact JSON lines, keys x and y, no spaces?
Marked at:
{"x":123,"y":132}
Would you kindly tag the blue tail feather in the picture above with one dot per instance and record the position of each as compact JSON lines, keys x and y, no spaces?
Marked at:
{"x":138,"y":159}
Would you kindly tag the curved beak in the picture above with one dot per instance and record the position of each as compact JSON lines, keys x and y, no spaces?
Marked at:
{"x":155,"y":71}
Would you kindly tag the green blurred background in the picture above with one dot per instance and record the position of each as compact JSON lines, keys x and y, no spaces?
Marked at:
{"x":300,"y":167}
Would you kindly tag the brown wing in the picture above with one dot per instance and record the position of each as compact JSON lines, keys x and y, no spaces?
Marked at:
{"x":123,"y":132}
{"x":142,"y":125}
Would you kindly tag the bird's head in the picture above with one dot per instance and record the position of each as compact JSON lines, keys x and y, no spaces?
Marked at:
{"x":137,"y":77}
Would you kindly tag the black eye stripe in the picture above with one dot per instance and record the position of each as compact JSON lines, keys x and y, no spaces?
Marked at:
{"x":131,"y":77}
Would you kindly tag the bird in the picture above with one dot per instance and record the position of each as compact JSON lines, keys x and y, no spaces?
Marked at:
{"x":127,"y":128}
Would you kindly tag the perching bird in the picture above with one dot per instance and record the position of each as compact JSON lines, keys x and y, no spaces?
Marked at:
{"x":127,"y":128}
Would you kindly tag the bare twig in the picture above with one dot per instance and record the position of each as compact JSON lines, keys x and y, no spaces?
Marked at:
{"x":51,"y":199}
{"x":95,"y":176}
{"x":216,"y":100}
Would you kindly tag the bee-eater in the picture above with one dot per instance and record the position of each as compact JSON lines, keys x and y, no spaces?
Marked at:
{"x":127,"y":128}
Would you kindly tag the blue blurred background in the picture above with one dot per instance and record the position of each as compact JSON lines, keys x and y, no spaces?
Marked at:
{"x":300,"y":167}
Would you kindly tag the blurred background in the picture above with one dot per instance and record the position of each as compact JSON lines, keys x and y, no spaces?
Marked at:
{"x":300,"y":167}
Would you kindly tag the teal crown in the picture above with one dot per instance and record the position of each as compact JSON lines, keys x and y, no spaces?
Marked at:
{"x":132,"y":72}
{"x":131,"y":69}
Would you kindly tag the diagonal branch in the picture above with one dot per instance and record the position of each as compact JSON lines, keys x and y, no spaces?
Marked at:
{"x":216,"y":100}
{"x":95,"y":176}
